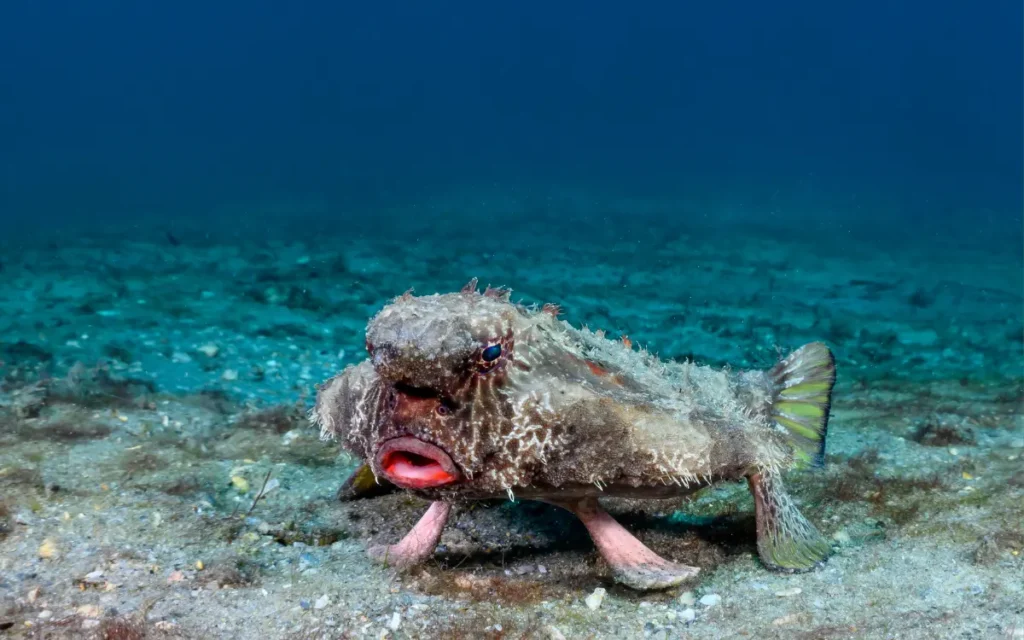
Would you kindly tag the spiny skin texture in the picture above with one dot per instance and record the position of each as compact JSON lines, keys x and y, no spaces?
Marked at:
{"x":561,"y":412}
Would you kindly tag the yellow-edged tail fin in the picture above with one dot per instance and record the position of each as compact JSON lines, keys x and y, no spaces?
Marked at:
{"x":803,"y":396}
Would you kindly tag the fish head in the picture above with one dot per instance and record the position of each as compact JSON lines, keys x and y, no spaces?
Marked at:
{"x":444,"y":395}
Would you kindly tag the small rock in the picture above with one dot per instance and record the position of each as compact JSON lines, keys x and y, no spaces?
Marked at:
{"x":554,"y":633}
{"x":322,"y":602}
{"x":209,"y":350}
{"x":595,"y":599}
{"x":789,"y":593}
{"x":45,"y":614}
{"x":48,"y":549}
{"x":542,"y":569}
{"x":229,"y":375}
{"x":93,"y":577}
{"x":89,"y":611}
{"x":787,"y":619}
{"x":179,"y":357}
{"x":687,"y":615}
{"x":395,"y":622}
{"x":842,"y":538}
{"x":687,"y":599}
{"x":33,"y":594}
{"x":165,"y":625}
{"x":240,"y":483}
{"x":304,"y":604}
{"x":91,"y":623}
{"x":711,"y":600}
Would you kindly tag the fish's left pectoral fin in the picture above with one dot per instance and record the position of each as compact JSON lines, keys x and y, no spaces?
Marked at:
{"x":363,"y":484}
{"x":786,"y":540}
{"x":633,"y":564}
{"x":418,"y":545}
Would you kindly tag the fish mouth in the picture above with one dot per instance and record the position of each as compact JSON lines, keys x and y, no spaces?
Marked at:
{"x":411,"y":463}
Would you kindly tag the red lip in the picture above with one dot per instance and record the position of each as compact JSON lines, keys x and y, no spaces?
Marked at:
{"x":412,"y":463}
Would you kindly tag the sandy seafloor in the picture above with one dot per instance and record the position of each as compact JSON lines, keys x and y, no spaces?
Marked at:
{"x":149,"y":387}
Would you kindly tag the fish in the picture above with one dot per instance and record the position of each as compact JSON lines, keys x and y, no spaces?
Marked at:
{"x":467,"y":395}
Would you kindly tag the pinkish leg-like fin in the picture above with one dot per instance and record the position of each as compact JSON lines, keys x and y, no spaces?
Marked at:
{"x":417,"y":545}
{"x":632,"y":563}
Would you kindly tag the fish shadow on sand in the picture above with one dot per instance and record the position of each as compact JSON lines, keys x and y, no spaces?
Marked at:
{"x":541,"y":530}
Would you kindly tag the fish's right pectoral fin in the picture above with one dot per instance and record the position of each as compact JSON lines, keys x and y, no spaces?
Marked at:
{"x":632,"y":563}
{"x":418,"y":545}
{"x":363,"y":484}
{"x":786,"y":540}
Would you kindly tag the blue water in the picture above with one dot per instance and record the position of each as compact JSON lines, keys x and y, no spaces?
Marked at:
{"x":892,"y":116}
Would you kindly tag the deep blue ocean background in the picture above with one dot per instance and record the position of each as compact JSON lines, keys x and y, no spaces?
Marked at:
{"x":894,"y":120}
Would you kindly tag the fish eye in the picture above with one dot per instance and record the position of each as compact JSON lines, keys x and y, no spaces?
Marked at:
{"x":491,"y":353}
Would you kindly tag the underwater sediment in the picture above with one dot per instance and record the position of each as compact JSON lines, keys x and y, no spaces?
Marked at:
{"x":159,"y":476}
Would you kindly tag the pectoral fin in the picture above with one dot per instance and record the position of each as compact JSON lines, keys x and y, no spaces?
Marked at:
{"x":632,"y":563}
{"x":418,"y":545}
{"x":362,"y":484}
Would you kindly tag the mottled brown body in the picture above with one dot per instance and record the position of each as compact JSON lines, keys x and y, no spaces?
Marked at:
{"x":468,"y":396}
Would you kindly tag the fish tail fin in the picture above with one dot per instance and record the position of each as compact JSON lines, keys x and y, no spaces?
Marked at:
{"x":803,"y":383}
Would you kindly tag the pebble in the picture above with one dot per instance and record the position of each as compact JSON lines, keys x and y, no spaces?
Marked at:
{"x":322,"y":602}
{"x":209,"y":350}
{"x":687,"y":599}
{"x":787,"y":619}
{"x":595,"y":599}
{"x":48,"y":549}
{"x":90,"y":623}
{"x":687,"y":615}
{"x":711,"y":600}
{"x":395,"y":622}
{"x":229,"y":375}
{"x":45,"y":614}
{"x":93,"y":577}
{"x":789,"y":593}
{"x":89,"y":611}
{"x":33,"y":594}
{"x":842,"y":538}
